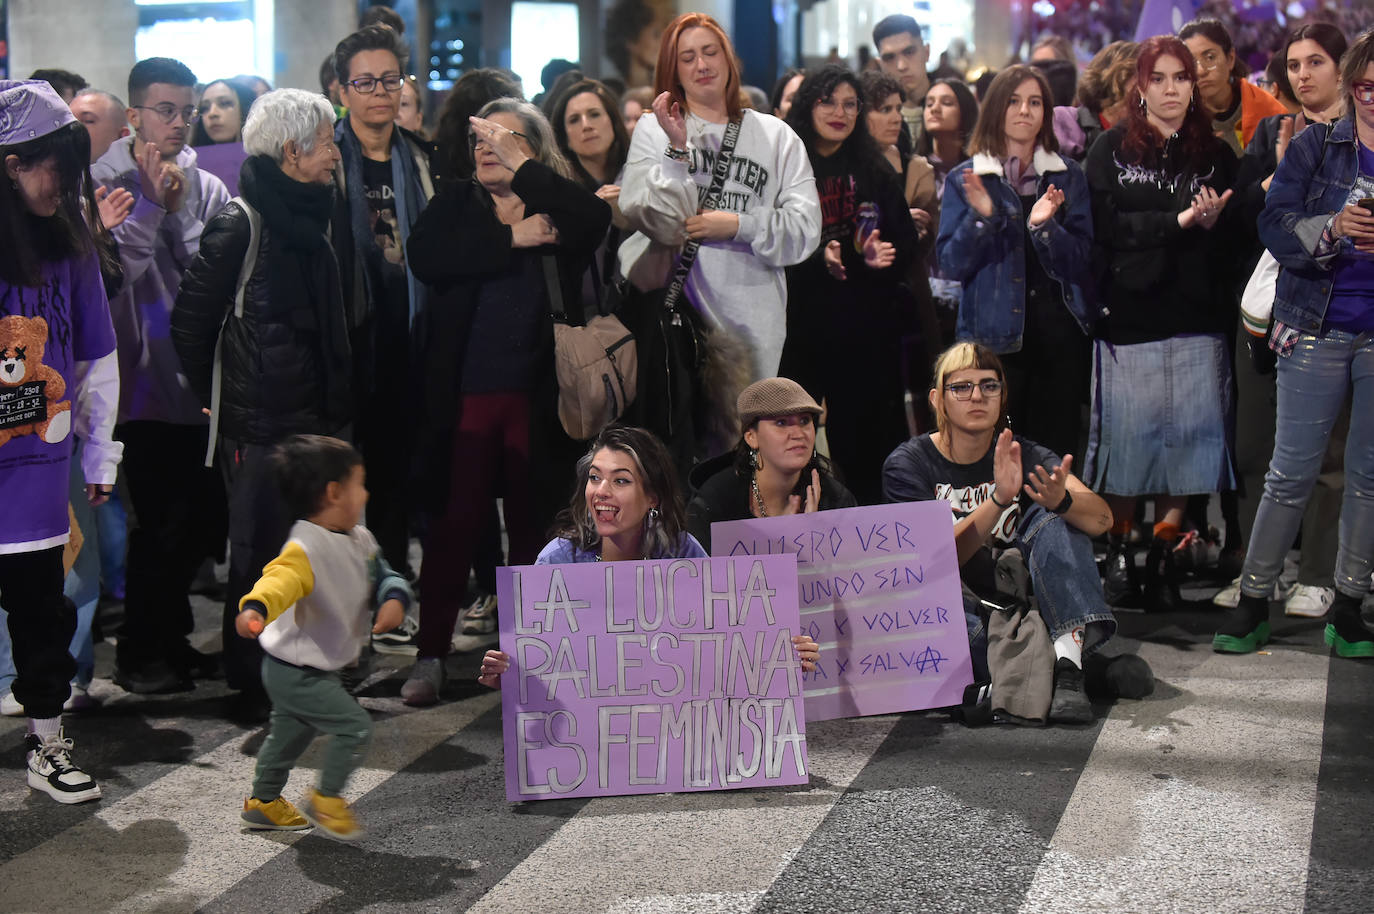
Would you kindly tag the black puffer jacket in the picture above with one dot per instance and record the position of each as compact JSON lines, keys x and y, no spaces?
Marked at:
{"x":286,"y":362}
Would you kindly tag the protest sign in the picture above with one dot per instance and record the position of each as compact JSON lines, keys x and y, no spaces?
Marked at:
{"x":651,"y":677}
{"x":879,"y":588}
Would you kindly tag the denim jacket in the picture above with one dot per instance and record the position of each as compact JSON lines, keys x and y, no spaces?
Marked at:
{"x":1310,"y":186}
{"x":987,"y":254}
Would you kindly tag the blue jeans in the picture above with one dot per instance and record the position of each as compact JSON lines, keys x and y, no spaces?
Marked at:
{"x":82,"y":587}
{"x":1312,"y":386}
{"x":1063,"y":573}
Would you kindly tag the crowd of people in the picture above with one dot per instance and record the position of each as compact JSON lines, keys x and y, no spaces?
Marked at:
{"x":262,"y":305}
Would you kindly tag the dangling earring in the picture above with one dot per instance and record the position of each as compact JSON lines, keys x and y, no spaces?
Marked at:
{"x":1141,"y":100}
{"x":755,"y":461}
{"x":1192,"y":104}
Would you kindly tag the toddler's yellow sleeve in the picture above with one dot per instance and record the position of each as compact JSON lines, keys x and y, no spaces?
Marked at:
{"x":286,"y":579}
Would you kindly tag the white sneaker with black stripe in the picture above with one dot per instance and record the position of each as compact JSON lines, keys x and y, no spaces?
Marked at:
{"x":51,"y":770}
{"x":400,"y":640}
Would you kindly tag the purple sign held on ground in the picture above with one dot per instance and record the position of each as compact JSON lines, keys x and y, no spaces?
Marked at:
{"x":651,"y":677}
{"x":880,"y":593}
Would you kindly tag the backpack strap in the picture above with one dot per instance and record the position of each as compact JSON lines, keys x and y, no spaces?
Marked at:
{"x":250,"y":260}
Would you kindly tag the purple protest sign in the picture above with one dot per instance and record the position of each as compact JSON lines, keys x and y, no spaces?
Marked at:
{"x":651,"y":677}
{"x":880,"y":592}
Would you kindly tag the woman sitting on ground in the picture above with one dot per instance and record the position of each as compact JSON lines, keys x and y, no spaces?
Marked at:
{"x":774,"y":469}
{"x":1008,"y":492}
{"x":626,"y":507}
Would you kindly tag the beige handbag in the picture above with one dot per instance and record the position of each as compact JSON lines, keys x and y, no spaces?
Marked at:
{"x":596,"y":365}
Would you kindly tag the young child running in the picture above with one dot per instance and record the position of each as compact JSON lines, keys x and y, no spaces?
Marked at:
{"x":310,"y":611}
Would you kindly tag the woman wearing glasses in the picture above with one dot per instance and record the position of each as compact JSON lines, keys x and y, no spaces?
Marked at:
{"x":847,"y":307}
{"x":1008,"y":492}
{"x":1236,"y":106}
{"x":487,"y":247}
{"x":1161,"y":370}
{"x":1317,"y":225}
{"x":1016,"y":232}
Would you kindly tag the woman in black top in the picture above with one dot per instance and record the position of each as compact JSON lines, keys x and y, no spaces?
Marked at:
{"x":489,"y":386}
{"x":1161,"y":371}
{"x":774,"y":469}
{"x":847,"y":308}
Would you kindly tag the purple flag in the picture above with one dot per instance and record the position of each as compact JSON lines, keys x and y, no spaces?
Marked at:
{"x":880,"y":592}
{"x":651,"y":677}
{"x":1164,"y":17}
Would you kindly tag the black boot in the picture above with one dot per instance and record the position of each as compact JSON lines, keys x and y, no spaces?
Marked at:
{"x":1346,"y":631}
{"x":1161,"y":579}
{"x":1118,"y":572}
{"x":1245,"y":628}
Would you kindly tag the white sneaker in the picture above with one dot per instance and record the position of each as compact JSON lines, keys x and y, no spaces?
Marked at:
{"x":480,"y":617}
{"x":51,"y":770}
{"x":1309,"y":601}
{"x":400,"y":640}
{"x":1229,"y":596}
{"x":9,"y":706}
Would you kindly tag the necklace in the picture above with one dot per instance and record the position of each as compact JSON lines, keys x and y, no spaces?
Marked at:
{"x":758,"y":496}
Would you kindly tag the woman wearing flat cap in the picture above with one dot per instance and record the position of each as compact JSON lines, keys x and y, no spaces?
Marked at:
{"x":773,"y":470}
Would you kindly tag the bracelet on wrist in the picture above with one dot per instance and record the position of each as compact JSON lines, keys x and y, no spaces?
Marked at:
{"x":676,"y":154}
{"x":1064,"y":505}
{"x":992,"y":497}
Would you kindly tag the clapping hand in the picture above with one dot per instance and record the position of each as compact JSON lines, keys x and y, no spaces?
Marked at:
{"x":162,"y":182}
{"x":834,"y":260}
{"x":1045,"y":208}
{"x":113,"y":206}
{"x":795,"y":505}
{"x":1207,"y":207}
{"x":1047,"y":489}
{"x":878,"y":254}
{"x":1006,"y":467}
{"x":976,"y":193}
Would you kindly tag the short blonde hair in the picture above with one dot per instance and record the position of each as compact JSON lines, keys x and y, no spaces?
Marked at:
{"x":959,"y":357}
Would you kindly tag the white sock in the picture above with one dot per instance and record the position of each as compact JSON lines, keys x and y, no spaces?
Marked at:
{"x":44,"y":727}
{"x":1070,"y":644}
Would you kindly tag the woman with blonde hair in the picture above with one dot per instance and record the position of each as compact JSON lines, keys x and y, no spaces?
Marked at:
{"x":1008,"y":492}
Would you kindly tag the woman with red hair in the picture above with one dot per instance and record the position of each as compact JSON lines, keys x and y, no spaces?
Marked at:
{"x":768,"y":216}
{"x":1161,"y":397}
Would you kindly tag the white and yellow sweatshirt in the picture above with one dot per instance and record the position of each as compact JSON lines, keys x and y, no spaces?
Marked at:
{"x":319,"y":594}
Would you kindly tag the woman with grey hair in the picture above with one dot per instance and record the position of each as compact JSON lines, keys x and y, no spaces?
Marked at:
{"x":500,"y":250}
{"x":262,"y":331}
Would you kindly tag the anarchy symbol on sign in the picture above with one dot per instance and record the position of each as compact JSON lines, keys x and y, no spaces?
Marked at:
{"x":929,"y":657}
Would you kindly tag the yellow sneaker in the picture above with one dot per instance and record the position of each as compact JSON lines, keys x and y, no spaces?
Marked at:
{"x":279,"y":815}
{"x":334,"y":815}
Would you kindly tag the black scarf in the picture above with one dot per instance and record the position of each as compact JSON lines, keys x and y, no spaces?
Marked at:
{"x":297,"y":213}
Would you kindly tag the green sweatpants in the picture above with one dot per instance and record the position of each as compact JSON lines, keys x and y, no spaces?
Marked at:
{"x":306,"y":702}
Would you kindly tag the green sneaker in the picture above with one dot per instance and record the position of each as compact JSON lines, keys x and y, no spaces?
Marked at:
{"x":1346,"y":631}
{"x":1244,"y":629}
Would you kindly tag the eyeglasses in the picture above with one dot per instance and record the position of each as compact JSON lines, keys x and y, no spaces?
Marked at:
{"x":1210,"y":61}
{"x":850,"y":106}
{"x":168,"y":113}
{"x":474,"y":141}
{"x":963,"y":390}
{"x":366,"y":85}
{"x":1363,"y":92}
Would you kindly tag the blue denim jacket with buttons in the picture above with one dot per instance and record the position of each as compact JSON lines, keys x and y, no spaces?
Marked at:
{"x":1309,"y":187}
{"x":987,"y":254}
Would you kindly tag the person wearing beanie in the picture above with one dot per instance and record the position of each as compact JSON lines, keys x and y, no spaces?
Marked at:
{"x":57,"y":352}
{"x":773,"y":470}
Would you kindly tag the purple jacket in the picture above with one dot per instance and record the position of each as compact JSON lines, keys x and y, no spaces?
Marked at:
{"x":155,"y":248}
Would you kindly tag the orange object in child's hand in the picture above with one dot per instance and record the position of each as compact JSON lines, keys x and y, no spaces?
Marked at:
{"x":255,"y":626}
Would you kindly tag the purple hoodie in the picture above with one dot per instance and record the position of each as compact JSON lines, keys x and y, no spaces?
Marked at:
{"x":155,"y":248}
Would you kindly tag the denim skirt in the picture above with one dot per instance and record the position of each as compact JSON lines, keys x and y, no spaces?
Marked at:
{"x":1161,"y":417}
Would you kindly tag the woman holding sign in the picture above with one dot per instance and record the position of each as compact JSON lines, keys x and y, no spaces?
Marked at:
{"x":1008,"y":492}
{"x":626,"y":507}
{"x":774,"y":469}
